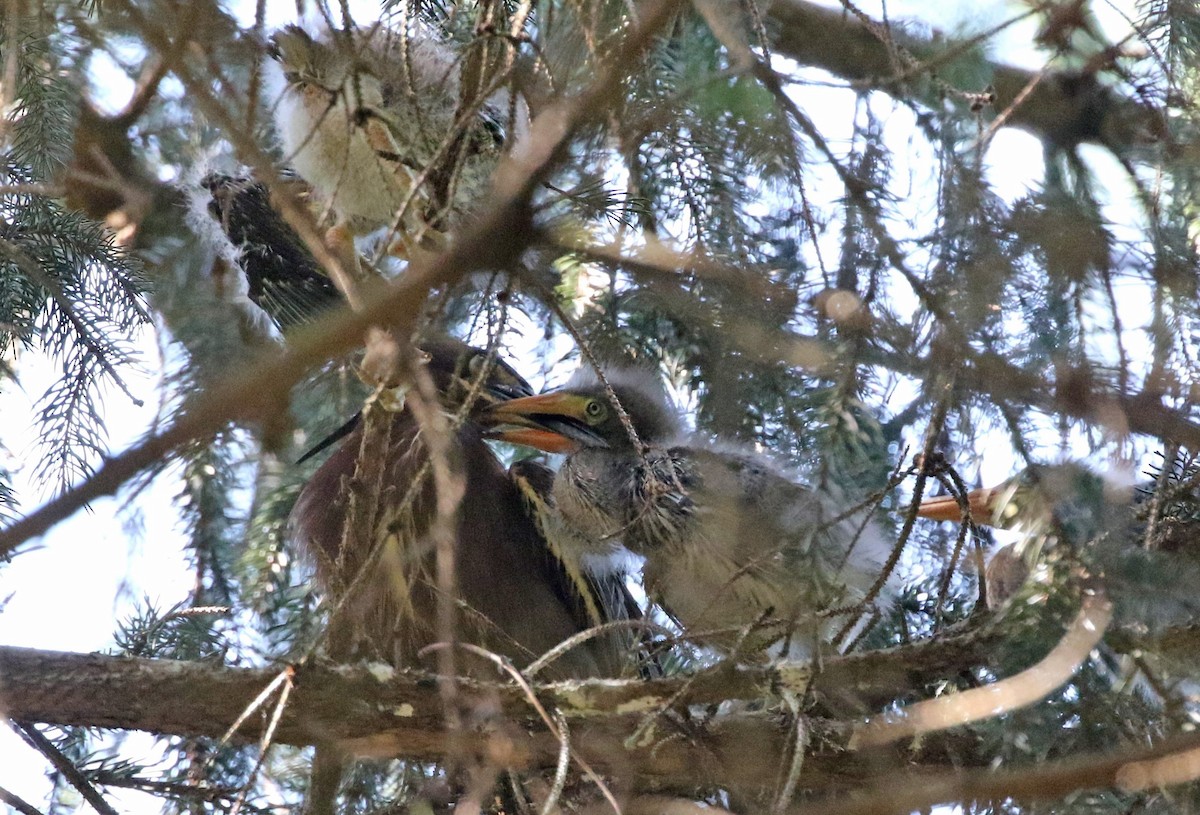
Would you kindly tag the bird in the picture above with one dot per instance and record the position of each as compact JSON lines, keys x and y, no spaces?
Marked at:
{"x":1068,"y":494}
{"x":519,"y":597}
{"x":731,"y":544}
{"x":1043,"y":504}
{"x":286,"y":283}
{"x":368,"y":119}
{"x":283,"y":277}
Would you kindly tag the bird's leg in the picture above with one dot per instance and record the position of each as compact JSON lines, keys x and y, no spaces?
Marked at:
{"x":423,"y":239}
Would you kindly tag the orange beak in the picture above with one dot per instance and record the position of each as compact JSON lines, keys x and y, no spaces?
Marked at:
{"x":556,"y":403}
{"x":983,"y":504}
{"x":553,"y":422}
{"x":535,"y":437}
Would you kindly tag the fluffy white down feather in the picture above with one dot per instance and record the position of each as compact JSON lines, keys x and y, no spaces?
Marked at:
{"x":361,"y":115}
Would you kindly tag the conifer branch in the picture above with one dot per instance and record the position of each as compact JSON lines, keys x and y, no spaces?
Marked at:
{"x":371,"y":712}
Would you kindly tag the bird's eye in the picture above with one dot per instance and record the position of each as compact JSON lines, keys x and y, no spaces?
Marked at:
{"x":594,"y":410}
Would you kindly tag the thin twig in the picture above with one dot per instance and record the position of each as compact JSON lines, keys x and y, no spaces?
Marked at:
{"x":576,"y":640}
{"x":1002,"y":118}
{"x":952,"y":483}
{"x":65,"y":766}
{"x":585,"y":349}
{"x":787,"y":789}
{"x":450,"y":486}
{"x":267,"y":737}
{"x":564,"y":763}
{"x":932,"y":432}
{"x":18,"y":803}
{"x":506,"y":666}
{"x":283,"y":678}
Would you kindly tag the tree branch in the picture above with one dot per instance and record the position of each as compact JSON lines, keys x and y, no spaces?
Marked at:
{"x":1050,"y":781}
{"x":383,"y":713}
{"x":63,"y":765}
{"x":1065,"y":108}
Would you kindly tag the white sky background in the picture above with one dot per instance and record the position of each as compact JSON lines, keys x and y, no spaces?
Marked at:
{"x":93,"y":560}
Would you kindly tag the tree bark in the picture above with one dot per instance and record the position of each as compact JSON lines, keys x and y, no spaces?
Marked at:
{"x":373,"y":711}
{"x":1064,"y":107}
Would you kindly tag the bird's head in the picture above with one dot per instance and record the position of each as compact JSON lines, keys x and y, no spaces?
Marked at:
{"x":1067,"y":493}
{"x":582,"y":415}
{"x":303,"y":60}
{"x":461,"y":371}
{"x":310,"y":62}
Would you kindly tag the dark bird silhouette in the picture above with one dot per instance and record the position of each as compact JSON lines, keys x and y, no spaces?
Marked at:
{"x":284,"y":279}
{"x":517,"y":595}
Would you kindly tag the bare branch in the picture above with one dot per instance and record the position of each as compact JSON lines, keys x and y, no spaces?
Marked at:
{"x":1066,"y":108}
{"x":1022,"y":690}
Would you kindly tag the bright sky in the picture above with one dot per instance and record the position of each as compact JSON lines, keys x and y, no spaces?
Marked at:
{"x":89,"y":558}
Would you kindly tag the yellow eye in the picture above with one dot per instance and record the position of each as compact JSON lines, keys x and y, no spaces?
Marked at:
{"x":594,"y":410}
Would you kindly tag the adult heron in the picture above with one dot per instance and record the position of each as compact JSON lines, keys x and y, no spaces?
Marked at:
{"x":518,"y":597}
{"x":369,"y":118}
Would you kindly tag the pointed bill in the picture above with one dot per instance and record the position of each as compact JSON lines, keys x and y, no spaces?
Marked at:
{"x":558,"y":414}
{"x":537,"y":438}
{"x":983,"y":504}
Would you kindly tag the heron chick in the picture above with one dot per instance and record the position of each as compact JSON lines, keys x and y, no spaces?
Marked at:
{"x":365,"y":116}
{"x":1045,"y":503}
{"x":731,"y":544}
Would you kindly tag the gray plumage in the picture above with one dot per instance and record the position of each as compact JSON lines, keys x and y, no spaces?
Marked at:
{"x":728,"y":539}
